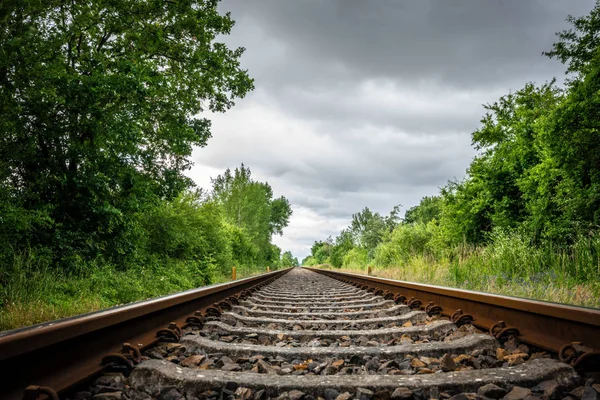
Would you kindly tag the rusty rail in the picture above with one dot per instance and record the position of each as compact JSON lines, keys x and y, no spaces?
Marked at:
{"x":61,"y":354}
{"x":549,"y":326}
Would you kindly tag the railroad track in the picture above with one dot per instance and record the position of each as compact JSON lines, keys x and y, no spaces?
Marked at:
{"x":300,"y":334}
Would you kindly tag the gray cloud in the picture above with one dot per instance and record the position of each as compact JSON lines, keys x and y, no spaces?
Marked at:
{"x":371,"y":103}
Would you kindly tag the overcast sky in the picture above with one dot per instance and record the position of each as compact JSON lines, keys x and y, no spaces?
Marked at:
{"x":371,"y":103}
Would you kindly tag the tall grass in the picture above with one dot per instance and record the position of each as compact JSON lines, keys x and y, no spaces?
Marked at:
{"x":508,"y":265}
{"x":32,"y":292}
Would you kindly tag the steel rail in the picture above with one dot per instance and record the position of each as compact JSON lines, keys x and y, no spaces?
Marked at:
{"x":549,"y":326}
{"x":63,"y":353}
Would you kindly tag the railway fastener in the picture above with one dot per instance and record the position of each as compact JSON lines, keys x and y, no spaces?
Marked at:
{"x":399,"y":299}
{"x":129,"y":357}
{"x":33,"y":392}
{"x":196,"y":320}
{"x":224,"y":305}
{"x":432,"y":309}
{"x":499,"y":330}
{"x":172,"y":333}
{"x":460,"y":318}
{"x":388,"y":295}
{"x":214,"y":311}
{"x":414,"y":303}
{"x":580,"y":357}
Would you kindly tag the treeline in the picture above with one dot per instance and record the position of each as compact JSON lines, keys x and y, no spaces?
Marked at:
{"x":100,"y":107}
{"x":531,"y":197}
{"x":208,"y":231}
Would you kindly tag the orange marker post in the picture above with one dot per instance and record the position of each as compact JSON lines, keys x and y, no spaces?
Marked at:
{"x":233,"y":273}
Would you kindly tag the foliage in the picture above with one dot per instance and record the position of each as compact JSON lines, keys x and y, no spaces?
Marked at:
{"x":343,"y":244}
{"x":427,"y":210}
{"x":356,"y":257}
{"x":320,"y":252}
{"x":101,"y":103}
{"x":368,"y":227}
{"x":288,"y":260}
{"x":249,"y":205}
{"x":309,"y":261}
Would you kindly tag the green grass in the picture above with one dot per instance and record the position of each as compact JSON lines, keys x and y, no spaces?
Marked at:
{"x":31,"y":292}
{"x":508,"y":266}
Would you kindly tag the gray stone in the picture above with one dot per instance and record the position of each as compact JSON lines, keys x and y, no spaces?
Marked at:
{"x":517,"y":393}
{"x":460,"y":396}
{"x":97,"y":389}
{"x":231,"y":367}
{"x":364,"y":394}
{"x":108,"y":396}
{"x":447,"y":363}
{"x":209,"y":394}
{"x":224,"y":360}
{"x":243,"y":393}
{"x":382,"y":395}
{"x":82,"y":395}
{"x":330,"y":394}
{"x":154,"y":354}
{"x":169,"y":393}
{"x":116,"y":381}
{"x":344,"y":396}
{"x":402,"y":393}
{"x":137,"y":395}
{"x":491,"y":391}
{"x":260,"y":395}
{"x":547,"y":389}
{"x":262,"y":367}
{"x":589,"y":394}
{"x":295,"y":394}
{"x":388,"y":364}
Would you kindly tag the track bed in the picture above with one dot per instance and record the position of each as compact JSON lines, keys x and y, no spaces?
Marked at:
{"x":309,"y":336}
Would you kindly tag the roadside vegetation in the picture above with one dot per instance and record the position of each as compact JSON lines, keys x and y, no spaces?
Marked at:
{"x":524,"y":221}
{"x":100,"y":108}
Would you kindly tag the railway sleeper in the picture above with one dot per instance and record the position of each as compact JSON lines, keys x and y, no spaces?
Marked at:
{"x":332,"y":298}
{"x":151,"y":377}
{"x":435,"y":329}
{"x":196,"y":344}
{"x":366,"y":300}
{"x":387,"y":321}
{"x":380,"y":303}
{"x":395,"y":310}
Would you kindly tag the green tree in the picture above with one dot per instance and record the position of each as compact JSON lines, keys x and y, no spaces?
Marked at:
{"x":428,"y":209}
{"x":343,"y":245}
{"x":368,"y":227}
{"x":100,"y":105}
{"x":321,"y":251}
{"x":578,"y":47}
{"x":250,"y":205}
{"x":572,"y":132}
{"x":288,"y":260}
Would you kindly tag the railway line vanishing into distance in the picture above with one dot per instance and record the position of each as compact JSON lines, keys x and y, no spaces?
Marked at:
{"x":306,"y":334}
